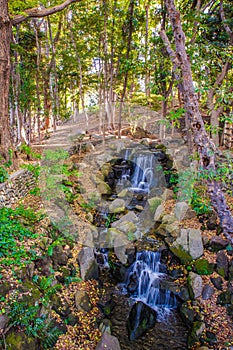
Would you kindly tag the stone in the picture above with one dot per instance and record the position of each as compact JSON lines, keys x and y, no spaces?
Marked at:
{"x":224,"y":298}
{"x":130,"y":216}
{"x":3,"y":322}
{"x":195,"y":285}
{"x":187,"y":314}
{"x":59,"y":256}
{"x":44,"y":265}
{"x":125,"y":193}
{"x":231,"y":270}
{"x":188,"y":246}
{"x":217,"y":282}
{"x":87,"y":263}
{"x":167,"y":194}
{"x":105,"y":326}
{"x":103,"y":187}
{"x":183,"y":211}
{"x":207,"y":292}
{"x":168,"y":219}
{"x":117,"y":206}
{"x":212,"y":220}
{"x":141,"y":318}
{"x":159,"y":213}
{"x":198,"y":328}
{"x":126,"y":227}
{"x":217,"y":243}
{"x":120,"y":249}
{"x":82,"y":301}
{"x":108,"y":342}
{"x":222,"y":266}
{"x":153,"y":203}
{"x":16,"y":340}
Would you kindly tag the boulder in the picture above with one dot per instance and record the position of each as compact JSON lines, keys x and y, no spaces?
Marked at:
{"x":198,"y":328}
{"x":120,"y":249}
{"x":16,"y":340}
{"x":222,"y":266}
{"x":207,"y":292}
{"x":217,"y":282}
{"x":168,"y":219}
{"x":183,"y":211}
{"x":159,"y":213}
{"x":217,"y":243}
{"x":141,"y":318}
{"x":129,"y":217}
{"x":117,"y":206}
{"x":87,"y":263}
{"x":187,"y":313}
{"x":167,"y":194}
{"x":126,"y":227}
{"x":103,"y":187}
{"x":108,"y":342}
{"x":225,"y":298}
{"x":188,"y":246}
{"x":153,"y":203}
{"x":59,"y":256}
{"x":82,"y":301}
{"x":105,"y":326}
{"x":195,"y":285}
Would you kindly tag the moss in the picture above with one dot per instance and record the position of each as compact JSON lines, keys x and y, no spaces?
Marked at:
{"x":203,"y":267}
{"x":184,"y":256}
{"x":19,"y":341}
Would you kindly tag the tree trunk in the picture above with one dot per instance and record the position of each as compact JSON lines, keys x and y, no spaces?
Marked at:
{"x":5,"y":38}
{"x":205,"y":146}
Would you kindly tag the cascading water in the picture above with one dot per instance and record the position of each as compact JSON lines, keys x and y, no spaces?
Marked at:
{"x":143,"y":175}
{"x":144,"y":282}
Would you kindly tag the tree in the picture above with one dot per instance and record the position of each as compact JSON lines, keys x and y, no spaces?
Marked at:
{"x":5,"y":40}
{"x":206,"y":148}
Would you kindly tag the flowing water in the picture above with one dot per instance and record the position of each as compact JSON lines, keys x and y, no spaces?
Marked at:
{"x":144,"y":282}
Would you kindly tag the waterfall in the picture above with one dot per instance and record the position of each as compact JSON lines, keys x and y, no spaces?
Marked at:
{"x":144,"y":281}
{"x":143,"y":174}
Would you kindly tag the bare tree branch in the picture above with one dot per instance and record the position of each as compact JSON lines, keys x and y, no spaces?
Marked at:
{"x":41,"y":12}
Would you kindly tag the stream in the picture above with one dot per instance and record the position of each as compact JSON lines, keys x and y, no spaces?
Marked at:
{"x":143,"y":292}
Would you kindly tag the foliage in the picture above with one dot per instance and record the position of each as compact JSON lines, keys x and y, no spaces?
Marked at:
{"x":3,"y":174}
{"x":33,"y":168}
{"x":203,"y":267}
{"x":24,"y":148}
{"x":13,"y":235}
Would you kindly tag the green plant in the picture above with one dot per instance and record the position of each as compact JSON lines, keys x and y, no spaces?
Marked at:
{"x":14,"y":233}
{"x":3,"y":174}
{"x":24,"y":148}
{"x":33,"y":168}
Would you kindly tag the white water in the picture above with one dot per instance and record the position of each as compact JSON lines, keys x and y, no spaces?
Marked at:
{"x":147,"y":270}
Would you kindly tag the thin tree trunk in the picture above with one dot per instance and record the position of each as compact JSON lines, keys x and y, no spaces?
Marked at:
{"x":5,"y":39}
{"x":205,"y":146}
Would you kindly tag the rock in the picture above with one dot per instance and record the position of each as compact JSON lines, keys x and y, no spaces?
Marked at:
{"x":159,"y":213}
{"x":231,"y":270}
{"x":212,"y":338}
{"x":222,"y":267}
{"x":82,"y":301}
{"x":187,"y":313}
{"x":16,"y":340}
{"x":183,"y":211}
{"x":225,"y":298}
{"x":61,"y":308}
{"x":44,"y":265}
{"x":3,"y":322}
{"x":87,"y":263}
{"x":125,"y":193}
{"x":103,"y":187}
{"x":153,"y":203}
{"x":217,"y":282}
{"x":195,"y":333}
{"x":120,"y":248}
{"x":141,"y":318}
{"x":167,"y":194}
{"x":168,"y":231}
{"x":117,"y":206}
{"x":59,"y":256}
{"x":188,"y":246}
{"x":212,"y":220}
{"x":195,"y":285}
{"x":207,"y":292}
{"x":217,"y":243}
{"x":105,"y":326}
{"x":126,"y":227}
{"x":108,"y":342}
{"x":168,"y":219}
{"x":129,"y":217}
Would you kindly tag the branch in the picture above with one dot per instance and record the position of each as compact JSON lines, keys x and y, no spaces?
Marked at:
{"x":41,"y":12}
{"x":226,"y":27}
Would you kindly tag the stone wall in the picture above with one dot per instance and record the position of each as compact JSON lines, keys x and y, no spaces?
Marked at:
{"x":16,"y":187}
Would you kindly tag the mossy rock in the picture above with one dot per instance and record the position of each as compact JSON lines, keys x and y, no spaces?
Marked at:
{"x":20,"y":341}
{"x":183,"y":255}
{"x":195,"y":333}
{"x":203,"y":267}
